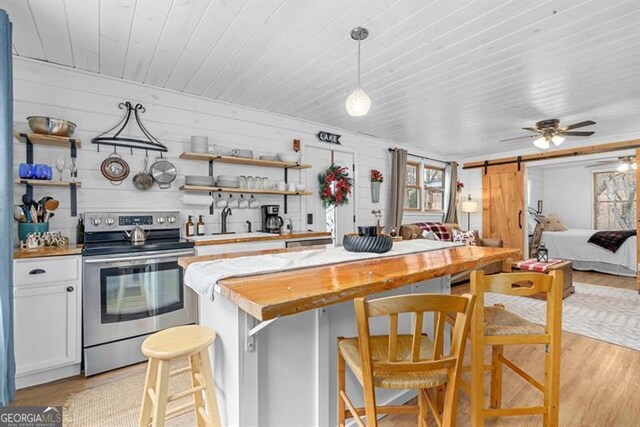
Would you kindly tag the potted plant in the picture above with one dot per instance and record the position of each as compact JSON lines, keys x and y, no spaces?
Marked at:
{"x":376,"y":180}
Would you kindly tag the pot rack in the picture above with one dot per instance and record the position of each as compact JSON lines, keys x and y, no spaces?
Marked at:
{"x":115,"y":140}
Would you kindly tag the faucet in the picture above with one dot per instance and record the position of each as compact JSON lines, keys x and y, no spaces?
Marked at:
{"x":225,"y":213}
{"x":248,"y":226}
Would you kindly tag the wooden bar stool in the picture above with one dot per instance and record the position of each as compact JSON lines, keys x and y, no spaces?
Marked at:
{"x":405,"y":362}
{"x":496,"y":327}
{"x":192,"y":341}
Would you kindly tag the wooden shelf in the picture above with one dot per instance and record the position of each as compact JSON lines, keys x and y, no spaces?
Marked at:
{"x":202,"y":188}
{"x":39,"y":139}
{"x":242,"y":161}
{"x":45,"y":183}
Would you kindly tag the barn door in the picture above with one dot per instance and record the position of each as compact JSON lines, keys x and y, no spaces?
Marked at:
{"x":503,"y":209}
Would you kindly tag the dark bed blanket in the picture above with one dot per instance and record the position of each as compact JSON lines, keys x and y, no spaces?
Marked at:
{"x":611,"y":240}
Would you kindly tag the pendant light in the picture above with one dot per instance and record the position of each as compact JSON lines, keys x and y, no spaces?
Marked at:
{"x":358,"y":103}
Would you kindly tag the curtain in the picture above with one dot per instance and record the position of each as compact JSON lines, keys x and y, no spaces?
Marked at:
{"x":397,"y":190}
{"x":452,"y":211}
{"x":7,"y":362}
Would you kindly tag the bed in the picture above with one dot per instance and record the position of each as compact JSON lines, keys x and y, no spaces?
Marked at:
{"x":573,"y":245}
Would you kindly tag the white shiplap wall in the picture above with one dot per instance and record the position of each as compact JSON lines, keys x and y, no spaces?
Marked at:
{"x":91,"y":100}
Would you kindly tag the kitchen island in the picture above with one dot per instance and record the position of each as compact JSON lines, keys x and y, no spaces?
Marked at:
{"x":275,"y":356}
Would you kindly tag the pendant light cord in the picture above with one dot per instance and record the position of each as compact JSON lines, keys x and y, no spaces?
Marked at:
{"x":359,"y":40}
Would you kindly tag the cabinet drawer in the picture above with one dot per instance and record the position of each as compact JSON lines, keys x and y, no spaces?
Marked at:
{"x":46,"y":270}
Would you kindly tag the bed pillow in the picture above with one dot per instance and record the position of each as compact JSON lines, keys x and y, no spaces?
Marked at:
{"x":466,"y":237}
{"x":552,"y":223}
{"x":430,"y":235}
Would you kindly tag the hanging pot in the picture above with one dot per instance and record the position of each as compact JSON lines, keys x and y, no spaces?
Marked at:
{"x":143,"y":180}
{"x":115,"y":169}
{"x":164,"y":173}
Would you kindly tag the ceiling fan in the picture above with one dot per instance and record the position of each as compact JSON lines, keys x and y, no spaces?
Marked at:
{"x":550,"y":131}
{"x":625,"y":163}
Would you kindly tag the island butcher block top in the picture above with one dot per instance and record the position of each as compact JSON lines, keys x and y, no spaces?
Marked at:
{"x":270,"y":295}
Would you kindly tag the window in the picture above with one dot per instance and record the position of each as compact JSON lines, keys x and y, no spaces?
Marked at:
{"x":433,"y":183}
{"x":412,"y":188}
{"x":615,"y":200}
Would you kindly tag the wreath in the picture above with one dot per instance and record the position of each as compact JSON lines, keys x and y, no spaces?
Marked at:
{"x":335,"y":186}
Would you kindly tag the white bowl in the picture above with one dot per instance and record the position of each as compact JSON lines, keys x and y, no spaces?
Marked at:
{"x":301,"y":187}
{"x":228,"y":178}
{"x":231,"y":184}
{"x":290,"y":157}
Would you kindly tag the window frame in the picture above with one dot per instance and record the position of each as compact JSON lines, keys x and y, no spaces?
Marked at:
{"x":441,"y":189}
{"x":417,"y":186}
{"x":596,"y":203}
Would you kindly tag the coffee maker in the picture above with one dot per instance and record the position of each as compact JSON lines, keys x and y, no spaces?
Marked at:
{"x":271,"y":221}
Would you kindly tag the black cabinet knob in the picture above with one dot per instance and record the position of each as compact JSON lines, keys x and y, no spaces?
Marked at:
{"x":37,"y":271}
{"x":70,"y":288}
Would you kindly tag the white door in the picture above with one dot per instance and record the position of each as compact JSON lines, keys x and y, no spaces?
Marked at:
{"x":338,"y":220}
{"x":46,"y":327}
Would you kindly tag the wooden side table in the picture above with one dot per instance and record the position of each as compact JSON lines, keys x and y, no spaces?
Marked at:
{"x":567,"y":273}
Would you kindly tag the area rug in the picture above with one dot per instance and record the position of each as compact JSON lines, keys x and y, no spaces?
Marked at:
{"x":118,"y":404}
{"x":600,"y":312}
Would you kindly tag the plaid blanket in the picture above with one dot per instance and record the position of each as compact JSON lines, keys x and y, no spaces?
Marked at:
{"x":533,"y":264}
{"x":611,"y":240}
{"x":437,"y":227}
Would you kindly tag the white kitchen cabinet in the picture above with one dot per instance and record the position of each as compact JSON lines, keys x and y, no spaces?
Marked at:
{"x":227,"y":248}
{"x":47,"y":318}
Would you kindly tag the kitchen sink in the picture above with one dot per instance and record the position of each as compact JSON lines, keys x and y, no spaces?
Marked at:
{"x":228,"y":236}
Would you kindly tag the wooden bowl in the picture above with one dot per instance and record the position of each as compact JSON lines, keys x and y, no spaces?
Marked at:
{"x":374,"y":244}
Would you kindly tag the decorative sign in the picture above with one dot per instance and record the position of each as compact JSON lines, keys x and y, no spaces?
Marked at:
{"x":331,"y":138}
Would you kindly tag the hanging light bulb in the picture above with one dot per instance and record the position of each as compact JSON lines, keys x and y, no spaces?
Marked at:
{"x":557,"y":140}
{"x":623,"y":167}
{"x":634,"y":166}
{"x":542,"y":143}
{"x":358,"y":103}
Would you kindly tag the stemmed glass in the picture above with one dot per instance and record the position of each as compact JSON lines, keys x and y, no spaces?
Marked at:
{"x":73,"y":168}
{"x":61,"y":164}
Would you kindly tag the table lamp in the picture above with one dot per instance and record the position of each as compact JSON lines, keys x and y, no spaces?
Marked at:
{"x":469,"y":207}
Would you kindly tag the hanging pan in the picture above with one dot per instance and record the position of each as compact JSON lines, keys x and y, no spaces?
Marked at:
{"x":115,"y":169}
{"x":163,"y":172}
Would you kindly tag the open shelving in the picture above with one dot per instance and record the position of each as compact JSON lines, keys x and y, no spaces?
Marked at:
{"x":202,"y":188}
{"x":242,"y":161}
{"x":216,"y":158}
{"x":47,"y":183}
{"x":31,"y":139}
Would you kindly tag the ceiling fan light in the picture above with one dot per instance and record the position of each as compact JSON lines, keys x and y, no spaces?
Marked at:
{"x":358,"y":103}
{"x":557,"y":140}
{"x":542,"y":143}
{"x":623,"y":167}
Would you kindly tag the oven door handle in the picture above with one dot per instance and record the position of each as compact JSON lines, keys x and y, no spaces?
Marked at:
{"x":137,"y":258}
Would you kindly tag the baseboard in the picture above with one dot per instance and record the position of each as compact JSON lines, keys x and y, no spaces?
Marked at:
{"x":28,"y":380}
{"x":399,"y":399}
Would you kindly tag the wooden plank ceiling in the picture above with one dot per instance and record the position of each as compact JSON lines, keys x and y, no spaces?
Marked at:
{"x":449,"y":76}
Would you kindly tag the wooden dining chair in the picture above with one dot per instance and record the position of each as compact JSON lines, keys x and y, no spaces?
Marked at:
{"x":495,"y":326}
{"x":405,"y":361}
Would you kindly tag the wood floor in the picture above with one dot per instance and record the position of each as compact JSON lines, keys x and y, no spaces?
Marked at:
{"x":598,"y":386}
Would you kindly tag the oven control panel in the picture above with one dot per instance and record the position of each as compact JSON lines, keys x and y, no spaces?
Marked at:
{"x":115,"y":221}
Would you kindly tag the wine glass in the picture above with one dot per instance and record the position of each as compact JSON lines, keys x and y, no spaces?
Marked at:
{"x":73,"y":168}
{"x":61,"y":164}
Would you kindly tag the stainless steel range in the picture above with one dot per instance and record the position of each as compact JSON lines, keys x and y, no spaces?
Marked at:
{"x":132,"y":287}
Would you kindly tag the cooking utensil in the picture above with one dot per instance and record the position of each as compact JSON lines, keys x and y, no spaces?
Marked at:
{"x":163,"y":172}
{"x":137,"y":236}
{"x":18,"y":214}
{"x":143,"y":180}
{"x":51,"y":205}
{"x":50,"y":126}
{"x":115,"y":169}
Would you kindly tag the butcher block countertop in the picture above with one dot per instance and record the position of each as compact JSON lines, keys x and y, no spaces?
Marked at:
{"x":47,"y":251}
{"x":267,"y":296}
{"x":225,"y":239}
